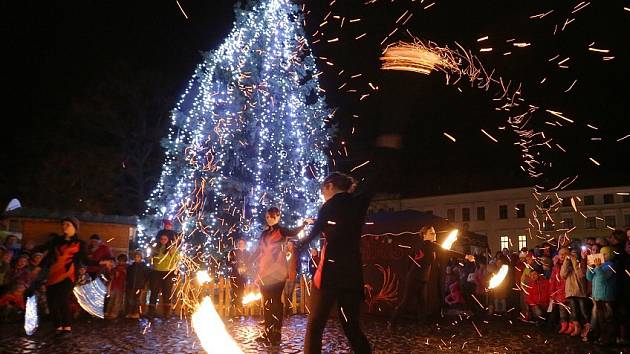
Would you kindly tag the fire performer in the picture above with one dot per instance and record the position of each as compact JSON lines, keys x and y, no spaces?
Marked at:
{"x":423,"y":279}
{"x":272,"y":272}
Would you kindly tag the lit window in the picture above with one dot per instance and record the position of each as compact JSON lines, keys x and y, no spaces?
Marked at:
{"x":505,"y":242}
{"x":522,"y":241}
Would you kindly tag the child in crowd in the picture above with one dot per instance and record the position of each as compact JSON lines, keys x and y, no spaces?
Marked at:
{"x":455,"y":296}
{"x":499,"y":293}
{"x":537,"y":294}
{"x":20,"y":272}
{"x":137,"y":278}
{"x":557,"y":288}
{"x":603,"y":278}
{"x":12,"y":304}
{"x":83,"y":277}
{"x":117,"y":288}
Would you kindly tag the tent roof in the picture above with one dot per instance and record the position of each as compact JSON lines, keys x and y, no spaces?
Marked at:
{"x":84,"y":217}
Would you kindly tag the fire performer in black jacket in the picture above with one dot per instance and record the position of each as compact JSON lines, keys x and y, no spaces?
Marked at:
{"x":339,"y":276}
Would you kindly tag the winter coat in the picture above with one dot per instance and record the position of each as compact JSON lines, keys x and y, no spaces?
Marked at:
{"x":604,"y":282}
{"x":292,"y":265}
{"x":137,"y":275}
{"x":238,"y":263}
{"x":537,"y":292}
{"x":575,"y":284}
{"x":101,"y":252}
{"x":119,"y":275}
{"x":271,"y":254}
{"x":558,"y":284}
{"x":63,"y":259}
{"x":165,"y":259}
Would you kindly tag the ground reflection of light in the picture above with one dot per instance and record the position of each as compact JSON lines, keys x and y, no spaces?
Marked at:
{"x":211,"y":331}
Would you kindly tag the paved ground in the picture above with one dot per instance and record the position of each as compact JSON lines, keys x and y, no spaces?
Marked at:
{"x":454,"y":335}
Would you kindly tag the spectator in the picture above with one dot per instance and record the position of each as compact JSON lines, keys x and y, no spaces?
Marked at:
{"x":480,"y":278}
{"x":20,"y":273}
{"x":83,"y":277}
{"x":499,"y":294}
{"x":558,"y":295}
{"x":624,"y":293}
{"x":455,"y":296}
{"x":575,"y":291}
{"x":12,"y":243}
{"x":117,"y":288}
{"x":525,"y":269}
{"x":137,"y":278}
{"x":28,"y":248}
{"x":5,"y":267}
{"x":97,"y":252}
{"x":547,"y":265}
{"x":603,"y":277}
{"x":164,"y":262}
{"x":601,"y":242}
{"x":12,"y":304}
{"x":36,"y":260}
{"x":537,"y":296}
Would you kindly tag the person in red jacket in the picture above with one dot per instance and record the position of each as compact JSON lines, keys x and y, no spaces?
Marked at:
{"x":557,"y":288}
{"x":117,"y":288}
{"x":537,"y":293}
{"x":97,"y":252}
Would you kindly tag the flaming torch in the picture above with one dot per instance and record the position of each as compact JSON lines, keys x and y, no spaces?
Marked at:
{"x":203,"y":277}
{"x":211,"y":331}
{"x":251,"y":297}
{"x":497,"y":279}
{"x":450,"y":239}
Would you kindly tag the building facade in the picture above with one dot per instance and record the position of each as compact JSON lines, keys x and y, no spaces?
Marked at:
{"x":519,"y":217}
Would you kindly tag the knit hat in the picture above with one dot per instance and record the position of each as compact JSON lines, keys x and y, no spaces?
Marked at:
{"x":167,"y":222}
{"x":74,"y":221}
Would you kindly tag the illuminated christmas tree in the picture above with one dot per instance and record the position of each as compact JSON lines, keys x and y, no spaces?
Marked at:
{"x":249,"y":132}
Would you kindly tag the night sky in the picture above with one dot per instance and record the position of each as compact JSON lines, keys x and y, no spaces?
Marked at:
{"x":88,"y":78}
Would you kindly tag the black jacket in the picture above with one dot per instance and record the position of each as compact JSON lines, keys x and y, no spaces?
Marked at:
{"x":340,"y":223}
{"x":137,"y":275}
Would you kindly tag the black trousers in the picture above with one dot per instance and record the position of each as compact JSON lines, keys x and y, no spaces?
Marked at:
{"x":237,"y":285}
{"x":321,"y":303}
{"x":414,"y":293}
{"x":59,"y":302}
{"x":272,"y":302}
{"x":132,"y":299}
{"x":160,"y":282}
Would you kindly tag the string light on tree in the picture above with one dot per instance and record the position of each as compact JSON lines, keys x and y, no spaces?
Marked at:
{"x":248,"y":133}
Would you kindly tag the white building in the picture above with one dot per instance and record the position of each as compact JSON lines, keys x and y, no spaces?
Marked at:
{"x":505,"y":215}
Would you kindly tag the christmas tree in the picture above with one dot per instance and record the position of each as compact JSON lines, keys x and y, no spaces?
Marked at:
{"x":249,"y":132}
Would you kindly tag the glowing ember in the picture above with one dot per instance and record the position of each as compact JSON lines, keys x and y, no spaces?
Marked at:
{"x":417,"y":57}
{"x":211,"y":331}
{"x":251,"y":297}
{"x":450,"y":239}
{"x":497,"y":279}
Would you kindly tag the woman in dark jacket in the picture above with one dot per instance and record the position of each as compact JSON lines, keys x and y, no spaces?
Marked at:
{"x":272,"y":272}
{"x":65,"y":254}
